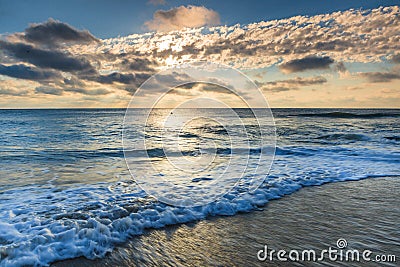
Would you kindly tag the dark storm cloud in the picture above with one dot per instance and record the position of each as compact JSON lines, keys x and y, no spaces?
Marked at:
{"x":380,"y":77}
{"x":307,"y":63}
{"x":25,"y":72}
{"x":53,"y":32}
{"x":46,"y":58}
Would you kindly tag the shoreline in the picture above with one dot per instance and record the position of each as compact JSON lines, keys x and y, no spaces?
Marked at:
{"x":363,"y":212}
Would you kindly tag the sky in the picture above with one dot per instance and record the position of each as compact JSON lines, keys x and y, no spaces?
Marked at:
{"x":57,"y":54}
{"x":107,"y":19}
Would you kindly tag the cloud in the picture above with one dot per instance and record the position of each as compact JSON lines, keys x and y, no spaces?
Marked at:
{"x":298,"y":43}
{"x":134,"y":80}
{"x":53,"y":32}
{"x":213,"y":86}
{"x":182,"y":17}
{"x":290,"y":84}
{"x":93,"y":92}
{"x":46,"y":58}
{"x":380,"y":77}
{"x":139,"y":64}
{"x":13,"y":92}
{"x":340,"y":67}
{"x":395,"y":59}
{"x":353,"y":88}
{"x":173,"y":79}
{"x":332,"y":45}
{"x":298,"y":81}
{"x":209,"y":87}
{"x":48,"y":90}
{"x":73,"y":81}
{"x":260,"y":74}
{"x":51,"y":90}
{"x":22,"y":71}
{"x":344,"y":36}
{"x":116,"y":77}
{"x":307,"y":63}
{"x":159,"y":82}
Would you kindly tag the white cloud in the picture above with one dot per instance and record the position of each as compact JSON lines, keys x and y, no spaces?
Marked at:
{"x":345,"y":36}
{"x":182,"y":17}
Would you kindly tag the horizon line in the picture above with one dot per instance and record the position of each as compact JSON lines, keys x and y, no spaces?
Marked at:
{"x":92,"y":108}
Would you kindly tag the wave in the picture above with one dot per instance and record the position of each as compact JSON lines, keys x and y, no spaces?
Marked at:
{"x":68,"y":155}
{"x":349,"y":115}
{"x":394,"y":138}
{"x":71,"y":155}
{"x":189,"y":135}
{"x":344,"y":136}
{"x":215,"y":129}
{"x":111,"y":218}
{"x":62,"y":155}
{"x":162,"y":153}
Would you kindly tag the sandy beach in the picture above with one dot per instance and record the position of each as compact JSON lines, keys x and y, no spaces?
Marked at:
{"x":364,"y":213}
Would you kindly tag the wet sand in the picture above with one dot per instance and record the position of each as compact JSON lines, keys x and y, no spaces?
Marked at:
{"x":366,"y":213}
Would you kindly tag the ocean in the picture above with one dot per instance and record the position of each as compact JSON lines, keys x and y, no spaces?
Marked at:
{"x":66,"y":190}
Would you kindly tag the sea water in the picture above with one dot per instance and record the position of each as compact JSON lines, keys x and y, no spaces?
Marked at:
{"x":66,"y":191}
